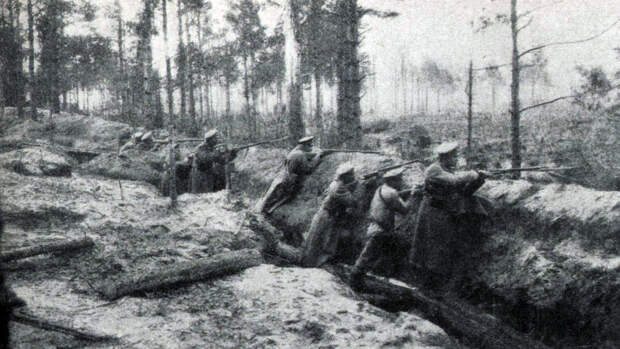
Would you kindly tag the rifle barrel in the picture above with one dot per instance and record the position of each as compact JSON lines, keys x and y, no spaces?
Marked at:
{"x":384,"y":169}
{"x":352,"y":151}
{"x":259,"y":143}
{"x":537,"y":168}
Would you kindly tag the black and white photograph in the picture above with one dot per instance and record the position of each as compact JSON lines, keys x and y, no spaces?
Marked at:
{"x":256,"y":174}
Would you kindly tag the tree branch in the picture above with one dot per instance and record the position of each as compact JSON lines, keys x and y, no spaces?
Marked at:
{"x":568,"y":42}
{"x":545,"y":103}
{"x":525,"y":25}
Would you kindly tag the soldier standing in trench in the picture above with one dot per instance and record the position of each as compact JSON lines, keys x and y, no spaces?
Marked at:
{"x":209,"y":163}
{"x":331,"y":224}
{"x":299,"y":163}
{"x":382,"y":239}
{"x":448,"y":222}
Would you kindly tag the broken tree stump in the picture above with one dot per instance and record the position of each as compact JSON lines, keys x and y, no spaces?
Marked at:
{"x":456,"y":318}
{"x":45,"y":324}
{"x":218,"y":265}
{"x":54,"y":247}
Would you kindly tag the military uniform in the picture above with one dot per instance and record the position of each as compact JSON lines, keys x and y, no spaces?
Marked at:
{"x":332,"y":221}
{"x":139,"y":141}
{"x":298,"y":164}
{"x":380,"y":235}
{"x":447,"y":223}
{"x":210,"y":161}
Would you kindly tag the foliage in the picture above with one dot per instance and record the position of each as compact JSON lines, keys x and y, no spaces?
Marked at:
{"x":593,"y":89}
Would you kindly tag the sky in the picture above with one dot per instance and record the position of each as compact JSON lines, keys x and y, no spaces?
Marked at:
{"x":441,"y":31}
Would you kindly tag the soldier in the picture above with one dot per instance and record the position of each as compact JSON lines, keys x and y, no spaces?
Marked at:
{"x":448,"y":213}
{"x":210,"y":160}
{"x":299,"y":163}
{"x":385,"y":203}
{"x":332,"y":221}
{"x":139,"y":140}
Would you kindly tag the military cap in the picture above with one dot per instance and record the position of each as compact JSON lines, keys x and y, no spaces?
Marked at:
{"x":210,"y":133}
{"x":393,"y":174}
{"x":343,"y":170}
{"x":446,"y":147}
{"x":305,"y":140}
{"x":147,"y":136}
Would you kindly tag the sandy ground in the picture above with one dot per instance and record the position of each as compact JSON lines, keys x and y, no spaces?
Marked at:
{"x":136,"y":232}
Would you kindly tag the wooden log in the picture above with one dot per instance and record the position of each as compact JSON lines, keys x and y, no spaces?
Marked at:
{"x":219,"y":265}
{"x":44,"y":324}
{"x":456,"y":318}
{"x":272,"y":235}
{"x":54,"y":247}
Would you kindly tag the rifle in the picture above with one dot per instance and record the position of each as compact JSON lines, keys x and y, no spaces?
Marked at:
{"x":258,"y":143}
{"x":388,"y":168}
{"x":182,"y":140}
{"x":331,"y":151}
{"x":536,"y":168}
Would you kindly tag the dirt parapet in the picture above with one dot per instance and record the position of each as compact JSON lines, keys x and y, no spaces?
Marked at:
{"x":552,"y":260}
{"x":37,"y":161}
{"x":134,"y":165}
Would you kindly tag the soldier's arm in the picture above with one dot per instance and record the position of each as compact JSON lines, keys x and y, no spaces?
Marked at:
{"x":395,"y":202}
{"x":456,"y":180}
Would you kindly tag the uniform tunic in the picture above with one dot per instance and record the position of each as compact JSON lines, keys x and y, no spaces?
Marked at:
{"x":444,"y":221}
{"x":380,"y":234}
{"x":287,"y":184}
{"x":211,"y":162}
{"x":329,"y":224}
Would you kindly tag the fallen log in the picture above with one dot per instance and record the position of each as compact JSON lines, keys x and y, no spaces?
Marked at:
{"x":54,"y":247}
{"x":219,"y":265}
{"x":456,"y":318}
{"x":271,"y":235}
{"x":45,"y":324}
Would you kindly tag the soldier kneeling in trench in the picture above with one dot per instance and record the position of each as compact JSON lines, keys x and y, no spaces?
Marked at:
{"x":331,"y":224}
{"x":382,"y":239}
{"x":447,"y":227}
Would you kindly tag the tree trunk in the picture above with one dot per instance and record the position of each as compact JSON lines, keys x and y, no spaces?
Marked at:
{"x":514,"y":92}
{"x":182,"y":59}
{"x":219,"y":265}
{"x":190,"y":77}
{"x":293,"y":63}
{"x":246,"y":92}
{"x":54,"y":247}
{"x":169,"y":88}
{"x":349,"y":80}
{"x":493,"y":97}
{"x":318,"y":118}
{"x":470,"y":97}
{"x":33,"y":105}
{"x":228,"y":116}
